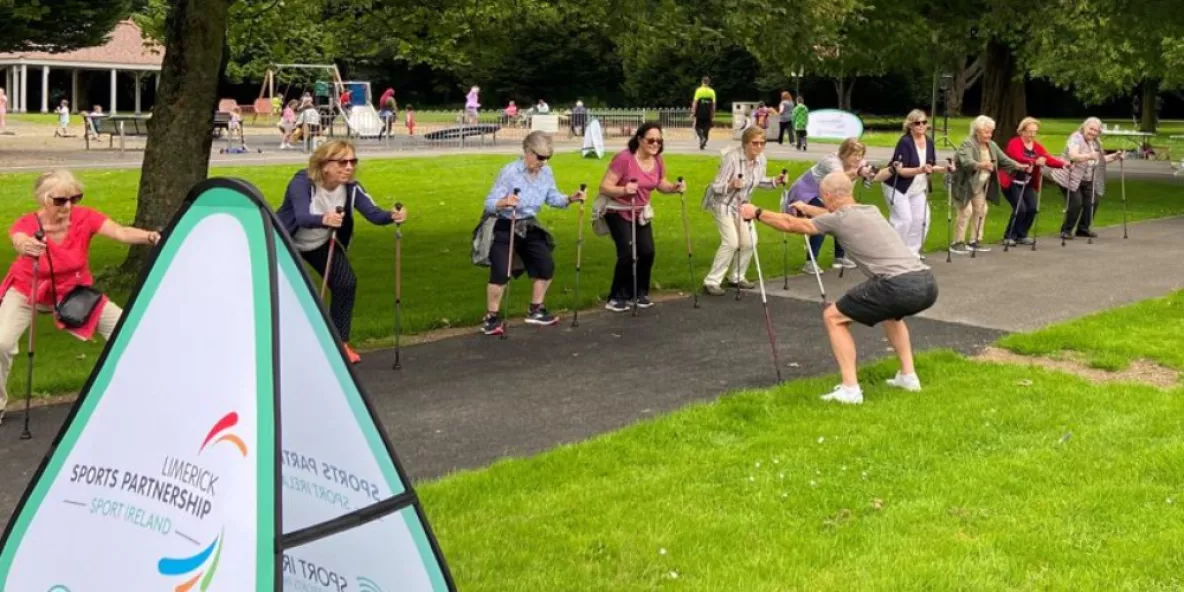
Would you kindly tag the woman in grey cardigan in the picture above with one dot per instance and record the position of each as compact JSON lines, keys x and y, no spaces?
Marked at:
{"x":975,"y":183}
{"x":1084,"y":181}
{"x":741,"y":170}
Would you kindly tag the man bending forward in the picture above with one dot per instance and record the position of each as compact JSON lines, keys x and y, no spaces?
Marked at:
{"x":898,"y":285}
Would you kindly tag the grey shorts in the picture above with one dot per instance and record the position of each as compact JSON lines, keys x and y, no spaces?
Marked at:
{"x":881,"y":299}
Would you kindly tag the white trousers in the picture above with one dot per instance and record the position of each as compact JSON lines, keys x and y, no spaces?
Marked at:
{"x":910,"y":216}
{"x":15,"y":314}
{"x":731,"y":240}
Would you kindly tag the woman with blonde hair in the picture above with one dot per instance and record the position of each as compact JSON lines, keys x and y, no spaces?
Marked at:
{"x":319,"y":203}
{"x":974,"y":184}
{"x":1083,"y":182}
{"x":907,"y":192}
{"x":741,"y":170}
{"x":848,"y":160}
{"x":57,"y":236}
{"x":1020,"y":188}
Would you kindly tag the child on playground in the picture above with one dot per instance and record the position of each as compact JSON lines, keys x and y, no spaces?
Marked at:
{"x":410,"y":120}
{"x":63,"y":112}
{"x":801,"y":116}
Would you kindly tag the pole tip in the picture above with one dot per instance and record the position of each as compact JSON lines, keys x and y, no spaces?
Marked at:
{"x":679,"y":179}
{"x":517,"y":190}
{"x":340,"y":209}
{"x":398,"y":206}
{"x":583,"y":186}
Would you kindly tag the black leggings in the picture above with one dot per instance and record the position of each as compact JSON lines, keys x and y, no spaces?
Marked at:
{"x":1023,"y":205}
{"x":1077,"y":212}
{"x":343,"y":285}
{"x":622,"y":288}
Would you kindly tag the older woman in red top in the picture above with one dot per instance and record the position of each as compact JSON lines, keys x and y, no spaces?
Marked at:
{"x":63,"y":269}
{"x":1020,"y":188}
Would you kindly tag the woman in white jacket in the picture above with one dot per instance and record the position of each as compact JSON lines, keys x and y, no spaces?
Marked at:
{"x":741,"y":171}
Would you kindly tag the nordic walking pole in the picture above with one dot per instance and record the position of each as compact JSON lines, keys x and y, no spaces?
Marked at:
{"x":26,"y":434}
{"x":509,"y":266}
{"x":329,"y":259}
{"x":398,"y":287}
{"x":760,"y":279}
{"x":949,"y":213}
{"x":575,"y":319}
{"x":686,"y":230}
{"x":1122,"y":169}
{"x":1093,"y":192}
{"x":736,"y":258}
{"x":785,"y":244}
{"x":817,"y":275}
{"x":981,"y":221}
{"x":1007,"y":232}
{"x":633,"y":243}
{"x":1036,"y":215}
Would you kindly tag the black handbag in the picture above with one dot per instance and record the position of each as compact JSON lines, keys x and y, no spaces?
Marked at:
{"x":75,"y":309}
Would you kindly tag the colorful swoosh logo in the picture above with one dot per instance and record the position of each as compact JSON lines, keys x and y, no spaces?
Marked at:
{"x":168,"y":566}
{"x":219,"y":433}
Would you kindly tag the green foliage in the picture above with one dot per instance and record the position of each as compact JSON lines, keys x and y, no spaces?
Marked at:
{"x":58,"y":25}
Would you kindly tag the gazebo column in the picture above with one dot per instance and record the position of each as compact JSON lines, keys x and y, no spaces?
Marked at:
{"x":45,"y":89}
{"x":138,"y":81}
{"x":24,"y":88}
{"x":114,"y":109}
{"x":74,"y":91}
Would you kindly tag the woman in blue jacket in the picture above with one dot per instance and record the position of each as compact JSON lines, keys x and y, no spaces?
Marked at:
{"x":309,"y":214}
{"x":907,"y":191}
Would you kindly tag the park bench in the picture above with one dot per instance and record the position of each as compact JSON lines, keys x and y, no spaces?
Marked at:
{"x":122,"y":126}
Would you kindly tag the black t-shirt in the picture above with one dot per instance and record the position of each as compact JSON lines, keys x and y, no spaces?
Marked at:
{"x":1021,"y":177}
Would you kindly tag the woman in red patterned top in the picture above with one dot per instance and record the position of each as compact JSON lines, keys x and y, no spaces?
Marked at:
{"x":63,"y":255}
{"x":1020,"y":188}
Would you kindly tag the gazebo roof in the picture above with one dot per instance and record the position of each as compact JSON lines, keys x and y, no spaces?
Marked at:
{"x":124,"y":49}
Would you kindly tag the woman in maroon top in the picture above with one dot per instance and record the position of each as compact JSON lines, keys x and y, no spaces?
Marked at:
{"x":1020,"y":188}
{"x":633,"y":174}
{"x":63,"y":255}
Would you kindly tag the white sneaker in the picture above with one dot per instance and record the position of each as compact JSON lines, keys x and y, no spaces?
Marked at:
{"x":844,"y":394}
{"x":908,"y":382}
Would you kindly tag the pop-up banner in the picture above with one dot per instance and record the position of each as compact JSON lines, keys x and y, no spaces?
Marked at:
{"x":833,"y":124}
{"x":222,"y":441}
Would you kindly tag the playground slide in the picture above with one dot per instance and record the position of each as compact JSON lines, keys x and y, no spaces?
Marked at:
{"x":364,"y":122}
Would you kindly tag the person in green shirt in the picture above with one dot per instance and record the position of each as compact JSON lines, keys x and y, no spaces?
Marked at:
{"x":703,"y":111}
{"x":801,"y":116}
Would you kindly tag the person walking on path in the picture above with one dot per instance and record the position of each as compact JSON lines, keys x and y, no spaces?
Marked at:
{"x":974,"y":183}
{"x":907,"y":193}
{"x":741,"y":171}
{"x":310,"y":215}
{"x":898,"y":284}
{"x":848,"y":160}
{"x":62,"y":253}
{"x":632,"y":176}
{"x":519,"y":193}
{"x":1083,"y":182}
{"x":1021,"y":188}
{"x":703,"y":111}
{"x":801,"y":118}
{"x":785,"y":118}
{"x":472,"y":104}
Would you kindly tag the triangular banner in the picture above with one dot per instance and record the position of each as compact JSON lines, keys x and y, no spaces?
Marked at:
{"x":222,"y":441}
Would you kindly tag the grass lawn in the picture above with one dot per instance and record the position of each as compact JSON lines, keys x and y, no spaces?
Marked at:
{"x":983,"y":481}
{"x":445,"y":196}
{"x":1151,"y":329}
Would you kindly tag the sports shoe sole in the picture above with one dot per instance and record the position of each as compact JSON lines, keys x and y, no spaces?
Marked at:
{"x":612,"y":308}
{"x":553,"y":321}
{"x":496,"y":331}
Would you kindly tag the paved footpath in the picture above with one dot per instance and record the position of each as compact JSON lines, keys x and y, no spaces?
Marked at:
{"x":467,"y":401}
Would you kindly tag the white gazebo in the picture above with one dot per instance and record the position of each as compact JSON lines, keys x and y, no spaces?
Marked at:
{"x":125,"y":51}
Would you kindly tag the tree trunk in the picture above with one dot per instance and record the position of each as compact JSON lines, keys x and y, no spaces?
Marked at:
{"x":845,"y":101}
{"x":180,"y":133}
{"x":1148,"y":118}
{"x":961,"y":80}
{"x":1004,"y":99}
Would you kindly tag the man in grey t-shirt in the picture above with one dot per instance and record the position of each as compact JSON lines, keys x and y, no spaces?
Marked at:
{"x":899,"y":285}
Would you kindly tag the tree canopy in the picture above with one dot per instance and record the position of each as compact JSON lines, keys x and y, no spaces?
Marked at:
{"x":58,"y":25}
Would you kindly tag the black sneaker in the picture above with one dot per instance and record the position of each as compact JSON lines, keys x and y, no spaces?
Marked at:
{"x":493,"y":325}
{"x":644,"y":302}
{"x":538,"y":315}
{"x":617,"y":305}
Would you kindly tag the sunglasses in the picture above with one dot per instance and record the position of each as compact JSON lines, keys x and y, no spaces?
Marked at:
{"x":540,"y":157}
{"x":922,"y":122}
{"x":654,"y":141}
{"x":61,"y":201}
{"x":345,"y":161}
{"x":758,"y":143}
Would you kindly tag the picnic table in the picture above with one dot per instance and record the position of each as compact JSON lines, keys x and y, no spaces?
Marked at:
{"x":1135,"y":137}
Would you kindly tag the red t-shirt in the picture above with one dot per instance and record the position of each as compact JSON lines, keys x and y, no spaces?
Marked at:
{"x":625,"y":166}
{"x":71,"y":265}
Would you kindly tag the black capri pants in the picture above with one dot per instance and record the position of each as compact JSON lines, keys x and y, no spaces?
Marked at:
{"x":532,"y":249}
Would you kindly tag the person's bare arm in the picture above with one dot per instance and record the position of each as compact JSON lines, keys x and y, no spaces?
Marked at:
{"x":128,"y":235}
{"x":807,"y":209}
{"x":782,"y":222}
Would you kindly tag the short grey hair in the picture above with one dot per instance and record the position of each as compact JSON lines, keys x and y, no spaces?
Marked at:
{"x":538,"y":142}
{"x":979,"y":123}
{"x":1090,"y":121}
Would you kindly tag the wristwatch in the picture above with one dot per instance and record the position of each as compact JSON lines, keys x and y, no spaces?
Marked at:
{"x":758,"y":214}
